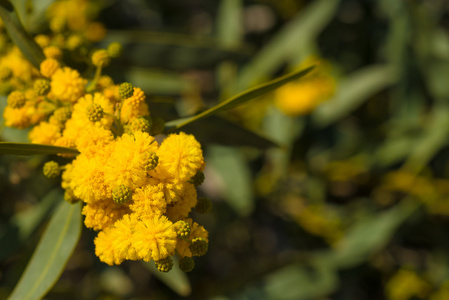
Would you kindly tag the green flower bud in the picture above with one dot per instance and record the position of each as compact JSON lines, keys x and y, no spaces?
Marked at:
{"x":62,"y":114}
{"x":16,"y":99}
{"x":182,"y":228}
{"x":42,"y":87}
{"x":203,"y":205}
{"x":121,"y":194}
{"x":126,"y":90}
{"x":197,"y":179}
{"x":94,"y":112}
{"x":138,"y":124}
{"x":51,"y":169}
{"x":115,"y":49}
{"x":199,"y":246}
{"x":164,"y":265}
{"x":149,"y":161}
{"x":186,"y":264}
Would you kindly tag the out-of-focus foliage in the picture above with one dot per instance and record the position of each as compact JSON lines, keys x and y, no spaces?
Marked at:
{"x":347,"y":199}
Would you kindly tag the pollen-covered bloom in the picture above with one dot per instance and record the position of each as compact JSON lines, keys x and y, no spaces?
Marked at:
{"x":153,"y":187}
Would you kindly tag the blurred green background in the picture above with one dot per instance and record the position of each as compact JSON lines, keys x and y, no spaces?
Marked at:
{"x":349,"y":201}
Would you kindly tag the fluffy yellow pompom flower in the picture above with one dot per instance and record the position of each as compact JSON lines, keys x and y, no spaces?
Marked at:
{"x":126,"y":165}
{"x":44,"y":133}
{"x":48,"y":67}
{"x":104,"y":214}
{"x":88,"y":182}
{"x":79,"y":119}
{"x":93,"y":138}
{"x":22,"y":117}
{"x":180,"y":156}
{"x":67,"y":84}
{"x":149,"y":201}
{"x":154,"y":238}
{"x":130,"y":111}
{"x":185,"y":202}
{"x":104,"y":248}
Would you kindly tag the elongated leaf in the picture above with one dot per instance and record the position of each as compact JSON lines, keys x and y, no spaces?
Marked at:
{"x":52,"y":253}
{"x":233,"y":169}
{"x":32,"y":149}
{"x":24,"y":223}
{"x":176,"y":279}
{"x":18,"y":34}
{"x":229,"y":22}
{"x":353,"y":91}
{"x":239,"y":99}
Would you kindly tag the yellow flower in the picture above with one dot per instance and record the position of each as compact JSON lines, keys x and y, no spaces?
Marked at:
{"x":42,"y":40}
{"x":88,"y":180}
{"x":79,"y":119}
{"x":137,"y":98}
{"x":19,"y":66}
{"x":154,"y":238}
{"x":180,"y":156}
{"x":104,"y":248}
{"x":53,"y":52}
{"x":48,"y":67}
{"x":101,"y":58}
{"x":93,"y":139}
{"x":44,"y":133}
{"x":129,"y":111}
{"x":67,"y":84}
{"x":185,"y":202}
{"x":104,"y":214}
{"x":125,"y":166}
{"x":149,"y":201}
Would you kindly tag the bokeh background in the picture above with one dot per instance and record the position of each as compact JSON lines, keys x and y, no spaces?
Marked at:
{"x":333,"y":187}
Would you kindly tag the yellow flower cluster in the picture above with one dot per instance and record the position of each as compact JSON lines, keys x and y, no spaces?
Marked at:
{"x":302,"y":96}
{"x":137,"y":192}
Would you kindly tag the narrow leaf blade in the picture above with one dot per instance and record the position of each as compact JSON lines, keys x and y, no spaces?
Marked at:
{"x":239,"y":98}
{"x":52,"y":253}
{"x":18,"y":34}
{"x":33,"y":149}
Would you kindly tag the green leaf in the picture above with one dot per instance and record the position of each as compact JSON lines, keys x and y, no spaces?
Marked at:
{"x":24,"y":223}
{"x":33,"y":149}
{"x":52,"y":253}
{"x":229,"y":22}
{"x":232,"y":167}
{"x":295,"y":37}
{"x":18,"y":34}
{"x":353,"y":91}
{"x":239,"y":99}
{"x":370,"y":235}
{"x":176,"y":279}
